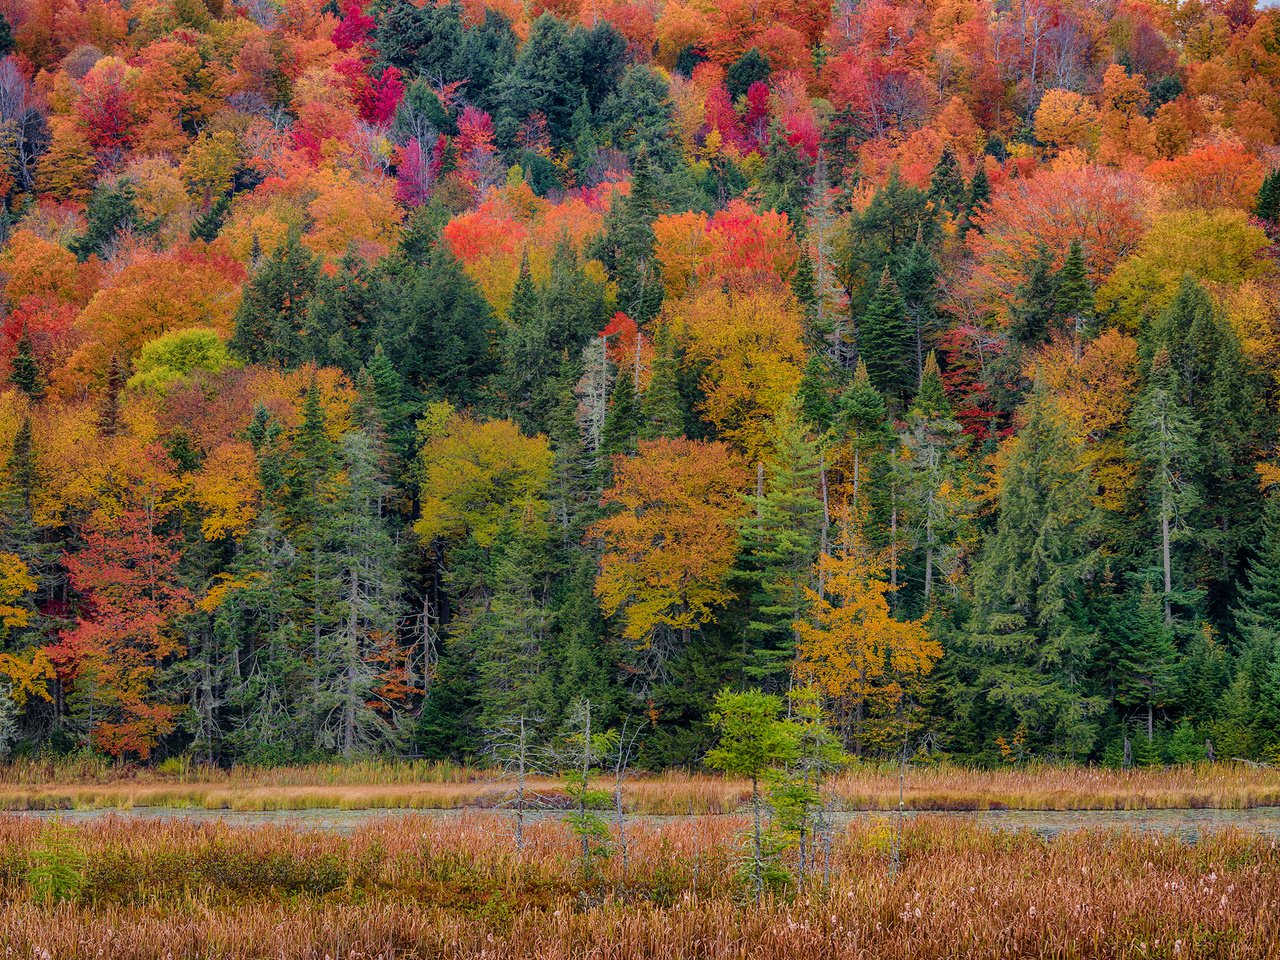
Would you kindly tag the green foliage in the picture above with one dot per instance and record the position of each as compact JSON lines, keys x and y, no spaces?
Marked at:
{"x":174,"y":356}
{"x":57,"y":866}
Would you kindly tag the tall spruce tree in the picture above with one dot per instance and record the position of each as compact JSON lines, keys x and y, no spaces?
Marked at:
{"x":886,"y":341}
{"x":780,"y":542}
{"x":272,"y":314}
{"x":1028,"y":643}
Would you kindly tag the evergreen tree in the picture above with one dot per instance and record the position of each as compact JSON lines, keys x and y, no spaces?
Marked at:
{"x":1267,"y":204}
{"x":353,"y":714}
{"x":886,"y":342}
{"x":780,"y":543}
{"x":784,"y":179}
{"x":979,"y":194}
{"x":1146,"y":677}
{"x":1035,"y":308}
{"x":1074,"y":299}
{"x":338,"y":325}
{"x":1028,"y":640}
{"x":862,"y":419}
{"x":623,"y":422}
{"x":917,"y":279}
{"x":662,"y":409}
{"x":931,"y":442}
{"x":25,"y":372}
{"x":437,"y":329}
{"x":627,"y":247}
{"x":272,"y":314}
{"x":751,"y":67}
{"x":1166,"y":438}
{"x":946,"y":185}
{"x":546,"y":78}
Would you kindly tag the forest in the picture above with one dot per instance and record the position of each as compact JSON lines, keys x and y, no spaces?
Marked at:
{"x":376,"y":377}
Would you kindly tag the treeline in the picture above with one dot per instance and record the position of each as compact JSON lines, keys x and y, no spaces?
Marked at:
{"x":378,"y":377}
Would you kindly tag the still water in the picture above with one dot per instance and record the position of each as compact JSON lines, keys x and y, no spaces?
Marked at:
{"x":1187,"y":825}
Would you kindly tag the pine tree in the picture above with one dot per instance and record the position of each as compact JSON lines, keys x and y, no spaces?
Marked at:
{"x":1166,"y":438}
{"x":946,"y":185}
{"x":662,"y":409}
{"x":751,"y":67}
{"x":358,"y":654}
{"x":1267,"y":204}
{"x":1145,"y":665}
{"x":931,"y":442}
{"x":1027,"y":637}
{"x":25,"y":372}
{"x":627,"y":247}
{"x":272,"y":314}
{"x":780,"y":542}
{"x":886,"y":342}
{"x":1074,"y":299}
{"x":979,"y":194}
{"x":917,"y":279}
{"x":862,"y":419}
{"x":785,"y":178}
{"x":1035,"y":308}
{"x":622,"y":423}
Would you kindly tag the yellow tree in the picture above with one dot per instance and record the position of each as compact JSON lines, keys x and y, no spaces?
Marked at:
{"x":750,"y":348}
{"x":671,"y":541}
{"x":852,"y":648}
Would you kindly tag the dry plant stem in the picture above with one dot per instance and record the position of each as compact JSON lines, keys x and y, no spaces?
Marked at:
{"x":389,"y":785}
{"x":404,"y":888}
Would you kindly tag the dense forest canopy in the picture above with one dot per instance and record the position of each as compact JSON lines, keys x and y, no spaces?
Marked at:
{"x":372,"y":374}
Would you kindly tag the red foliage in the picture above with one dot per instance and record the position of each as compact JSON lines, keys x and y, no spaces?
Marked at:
{"x":417,"y":171}
{"x":355,"y":27}
{"x":127,"y":574}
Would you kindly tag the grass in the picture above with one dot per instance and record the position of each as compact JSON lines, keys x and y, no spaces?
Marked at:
{"x":401,"y":888}
{"x":390,"y":785}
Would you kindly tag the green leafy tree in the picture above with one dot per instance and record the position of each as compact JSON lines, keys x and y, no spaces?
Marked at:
{"x":757,"y":744}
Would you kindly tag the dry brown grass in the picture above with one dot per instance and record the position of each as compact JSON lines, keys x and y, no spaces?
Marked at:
{"x":392,"y":785}
{"x":407,"y":888}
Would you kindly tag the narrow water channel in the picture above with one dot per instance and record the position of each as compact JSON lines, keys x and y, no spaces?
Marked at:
{"x":1187,"y":825}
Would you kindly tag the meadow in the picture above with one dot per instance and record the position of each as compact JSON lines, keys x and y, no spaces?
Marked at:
{"x":94,"y":783}
{"x":408,"y":887}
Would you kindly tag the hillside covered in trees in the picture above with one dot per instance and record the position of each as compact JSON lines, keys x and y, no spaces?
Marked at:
{"x":374,"y":374}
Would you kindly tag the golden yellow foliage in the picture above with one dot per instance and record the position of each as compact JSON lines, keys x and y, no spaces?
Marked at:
{"x":852,"y":648}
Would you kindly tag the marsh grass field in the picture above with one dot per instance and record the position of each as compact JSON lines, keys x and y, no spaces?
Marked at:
{"x":413,"y":887}
{"x":410,"y":785}
{"x":402,"y":886}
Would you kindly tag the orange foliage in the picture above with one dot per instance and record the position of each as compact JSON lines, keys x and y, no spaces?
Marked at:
{"x":671,"y":540}
{"x":1213,"y":175}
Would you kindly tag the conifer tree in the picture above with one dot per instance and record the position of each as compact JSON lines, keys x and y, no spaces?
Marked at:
{"x":1035,"y":308}
{"x":780,"y":542}
{"x":917,"y":279}
{"x":1166,"y":437}
{"x":272,"y":314}
{"x":1075,"y":299}
{"x":628,"y":246}
{"x":946,"y":185}
{"x":622,"y":423}
{"x":886,"y":342}
{"x":1027,"y":636}
{"x":1267,"y":204}
{"x":931,"y":441}
{"x":1145,"y":666}
{"x":862,"y":420}
{"x":25,"y":372}
{"x":662,"y":409}
{"x":979,"y":194}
